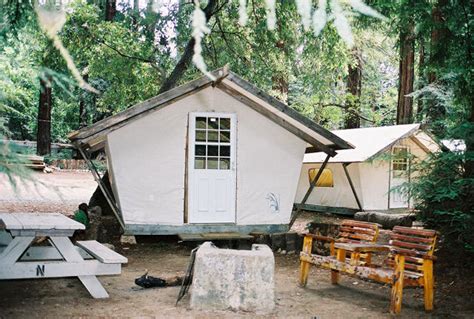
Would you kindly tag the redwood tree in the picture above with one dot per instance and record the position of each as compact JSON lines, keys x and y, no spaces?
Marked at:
{"x":43,"y":136}
{"x":354,"y":90}
{"x":406,"y":75}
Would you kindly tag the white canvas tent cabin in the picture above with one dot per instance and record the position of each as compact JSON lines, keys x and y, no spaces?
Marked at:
{"x":375,"y":167}
{"x":208,"y":156}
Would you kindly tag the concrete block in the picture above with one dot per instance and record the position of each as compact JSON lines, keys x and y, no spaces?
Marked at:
{"x":233,"y":279}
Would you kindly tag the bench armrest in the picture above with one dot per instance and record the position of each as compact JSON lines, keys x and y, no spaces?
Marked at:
{"x":362,"y":248}
{"x":322,"y":238}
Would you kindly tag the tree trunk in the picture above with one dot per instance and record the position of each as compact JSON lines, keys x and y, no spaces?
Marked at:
{"x":421,"y":72}
{"x":83,"y":106}
{"x":110,"y":10}
{"x":406,"y":75}
{"x":354,"y":90}
{"x":43,"y":136}
{"x":183,"y":63}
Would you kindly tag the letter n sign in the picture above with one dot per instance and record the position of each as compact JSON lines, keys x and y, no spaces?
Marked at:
{"x":40,"y":271}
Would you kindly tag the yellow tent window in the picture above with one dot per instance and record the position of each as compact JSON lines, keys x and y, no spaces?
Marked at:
{"x":325,"y":180}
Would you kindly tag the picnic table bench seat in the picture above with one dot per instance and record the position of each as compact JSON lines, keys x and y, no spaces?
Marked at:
{"x":101,"y":252}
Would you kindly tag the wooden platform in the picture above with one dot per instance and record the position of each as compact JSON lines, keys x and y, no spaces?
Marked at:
{"x":213,"y":236}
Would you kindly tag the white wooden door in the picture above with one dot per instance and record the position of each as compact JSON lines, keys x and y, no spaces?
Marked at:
{"x":212,"y":168}
{"x":399,"y":174}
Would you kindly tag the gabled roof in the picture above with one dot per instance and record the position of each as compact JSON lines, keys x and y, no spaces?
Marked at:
{"x":94,"y":136}
{"x":372,"y":141}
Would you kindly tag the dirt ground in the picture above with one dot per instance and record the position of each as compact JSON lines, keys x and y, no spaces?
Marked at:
{"x":54,"y":298}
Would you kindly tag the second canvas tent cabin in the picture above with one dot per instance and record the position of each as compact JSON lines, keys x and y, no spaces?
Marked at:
{"x":208,"y":156}
{"x":378,"y":164}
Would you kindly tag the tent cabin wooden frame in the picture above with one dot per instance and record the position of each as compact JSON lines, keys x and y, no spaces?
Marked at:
{"x":367,"y":176}
{"x":207,"y":156}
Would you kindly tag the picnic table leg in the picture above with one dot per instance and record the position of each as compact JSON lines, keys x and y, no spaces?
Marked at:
{"x":15,"y":249}
{"x":70,"y":254}
{"x":341,"y":256}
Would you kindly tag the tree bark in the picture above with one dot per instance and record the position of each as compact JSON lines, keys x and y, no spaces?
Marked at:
{"x":43,"y":136}
{"x":354,"y":90}
{"x":83,"y":106}
{"x":421,"y":72}
{"x":110,"y":10}
{"x":185,"y":60}
{"x":406,"y":75}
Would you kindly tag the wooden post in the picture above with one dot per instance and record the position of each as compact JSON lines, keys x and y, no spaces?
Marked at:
{"x":308,"y":192}
{"x":304,"y":266}
{"x":352,"y":185}
{"x":102,"y":187}
{"x":428,"y":283}
{"x":397,"y":286}
{"x":341,"y":256}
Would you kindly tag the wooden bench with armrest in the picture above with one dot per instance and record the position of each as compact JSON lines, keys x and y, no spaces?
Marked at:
{"x":350,"y":231}
{"x":409,"y":263}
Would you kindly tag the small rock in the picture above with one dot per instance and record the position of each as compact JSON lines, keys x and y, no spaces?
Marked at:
{"x":283,"y":252}
{"x":355,"y":283}
{"x":47,"y":170}
{"x":128,"y":239}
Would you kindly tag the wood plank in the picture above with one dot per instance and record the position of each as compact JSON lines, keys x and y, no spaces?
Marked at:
{"x":94,"y":287}
{"x":101,"y":252}
{"x":344,"y":211}
{"x":403,"y":244}
{"x":361,"y":224}
{"x":48,"y":253}
{"x":38,"y":221}
{"x":412,"y":238}
{"x":15,"y":249}
{"x":361,"y":237}
{"x":360,"y":247}
{"x":357,"y":230}
{"x":57,"y":269}
{"x":412,"y":231}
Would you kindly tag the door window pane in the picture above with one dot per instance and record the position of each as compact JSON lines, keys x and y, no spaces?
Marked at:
{"x":225,"y":123}
{"x":212,"y":150}
{"x":224,"y":163}
{"x":213,"y":136}
{"x":201,"y":122}
{"x":212,"y":163}
{"x":225,"y":137}
{"x":200,"y":136}
{"x":200,"y":150}
{"x":225,"y":151}
{"x":213,"y":123}
{"x":200,"y":163}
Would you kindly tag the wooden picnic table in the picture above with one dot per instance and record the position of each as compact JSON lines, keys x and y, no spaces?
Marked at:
{"x":57,"y":256}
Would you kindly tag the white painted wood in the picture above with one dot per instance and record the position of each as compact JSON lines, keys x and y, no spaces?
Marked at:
{"x":70,"y":254}
{"x":101,"y":252}
{"x":49,"y":253}
{"x":14,"y":250}
{"x":211,"y":192}
{"x":39,"y":221}
{"x":42,"y":232}
{"x":57,"y":269}
{"x":5,"y":238}
{"x":94,"y":287}
{"x":397,"y":198}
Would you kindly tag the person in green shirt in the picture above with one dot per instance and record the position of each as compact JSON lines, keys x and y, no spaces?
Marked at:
{"x":81,"y":215}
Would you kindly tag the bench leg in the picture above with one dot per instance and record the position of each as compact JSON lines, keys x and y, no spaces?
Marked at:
{"x":428,"y":283}
{"x":341,"y":256}
{"x":304,"y":267}
{"x":94,"y":286}
{"x":304,"y":270}
{"x":397,"y":286}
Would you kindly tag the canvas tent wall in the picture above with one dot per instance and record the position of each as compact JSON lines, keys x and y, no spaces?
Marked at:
{"x":368,"y":165}
{"x":152,"y":153}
